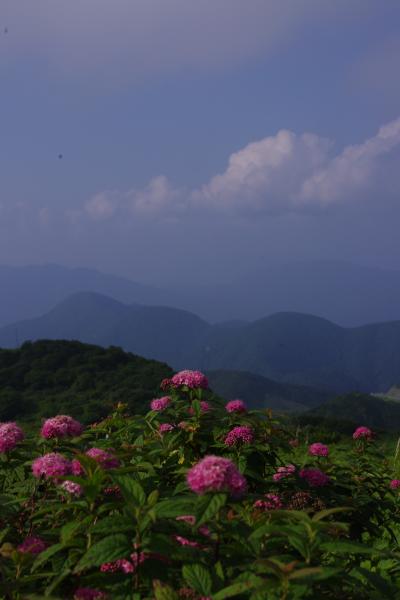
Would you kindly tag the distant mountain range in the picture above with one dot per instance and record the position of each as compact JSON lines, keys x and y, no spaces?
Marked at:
{"x":287,"y":347}
{"x":344,"y":293}
{"x":260,"y":392}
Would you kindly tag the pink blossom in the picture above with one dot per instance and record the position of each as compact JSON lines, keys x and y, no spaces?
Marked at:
{"x":138,"y":558}
{"x":117,"y":565}
{"x":190,"y":379}
{"x":185,"y":542}
{"x":284,"y":472}
{"x":272,"y":502}
{"x":76,"y":468}
{"x":362,"y":432}
{"x":236,"y":406}
{"x":72,"y":488}
{"x":183,"y":424}
{"x":10,"y":435}
{"x":395,"y":484}
{"x":314,"y":477}
{"x":113,"y":490}
{"x":216,"y":474}
{"x":191,"y":519}
{"x":318,"y":449}
{"x":51,"y":465}
{"x":89,"y":594}
{"x":204,"y":407}
{"x":165,"y":384}
{"x":165,"y":428}
{"x":159,"y":404}
{"x":240,"y":434}
{"x":61,"y":426}
{"x":32,"y":545}
{"x":104,"y":458}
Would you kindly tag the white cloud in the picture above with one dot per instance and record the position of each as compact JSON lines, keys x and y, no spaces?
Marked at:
{"x":159,"y":197}
{"x":279,"y":174}
{"x":353,"y":172}
{"x":265,"y":175}
{"x":102,"y":206}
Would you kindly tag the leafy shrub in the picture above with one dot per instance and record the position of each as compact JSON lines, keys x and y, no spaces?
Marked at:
{"x":134,"y":509}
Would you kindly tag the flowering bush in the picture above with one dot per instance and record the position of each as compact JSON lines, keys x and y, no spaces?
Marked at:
{"x":159,"y":404}
{"x":318,"y":449}
{"x":236,"y":406}
{"x":10,"y":435}
{"x":190,"y":379}
{"x":60,"y":427}
{"x":226,"y":506}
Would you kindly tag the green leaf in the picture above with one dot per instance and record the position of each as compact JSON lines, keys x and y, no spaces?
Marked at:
{"x":197,"y":578}
{"x":344,"y":547}
{"x":69,"y":529}
{"x":169,"y":509}
{"x":116,"y":524}
{"x":131,"y":489}
{"x":330,"y":511}
{"x":107,"y":550}
{"x":233,"y":590}
{"x":45,"y":555}
{"x":208,"y":507}
{"x":163,"y":591}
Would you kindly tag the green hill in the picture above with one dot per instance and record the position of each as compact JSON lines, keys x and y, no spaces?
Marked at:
{"x":260,"y":392}
{"x":46,"y":378}
{"x":360,"y":409}
{"x":289,"y":348}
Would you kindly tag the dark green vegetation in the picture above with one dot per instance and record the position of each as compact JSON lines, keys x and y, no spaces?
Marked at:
{"x":338,"y":539}
{"x":378,"y":413}
{"x":260,"y":392}
{"x":286,"y":347}
{"x":58,"y":377}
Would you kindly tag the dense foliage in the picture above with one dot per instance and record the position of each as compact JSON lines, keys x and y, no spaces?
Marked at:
{"x":195,"y":500}
{"x":49,"y":377}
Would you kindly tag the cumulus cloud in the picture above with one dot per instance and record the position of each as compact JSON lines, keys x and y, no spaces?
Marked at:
{"x":142,"y":36}
{"x":354,"y":171}
{"x":279,"y":174}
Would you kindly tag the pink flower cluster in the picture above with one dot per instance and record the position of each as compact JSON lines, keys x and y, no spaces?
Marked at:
{"x":318,"y":449}
{"x":272,"y":502}
{"x":204,"y":407}
{"x":165,"y":428}
{"x":117,"y":565}
{"x":72,"y":488}
{"x":159,"y":404}
{"x":216,"y":474}
{"x":61,"y":426}
{"x":284,"y":472}
{"x":395,"y":484}
{"x":126,"y":566}
{"x":240,"y":434}
{"x":89,"y":594}
{"x":236,"y":406}
{"x":190,"y":379}
{"x":51,"y":465}
{"x":362,"y":433}
{"x":32,"y":545}
{"x":191,"y":520}
{"x":314,"y":477}
{"x":105,"y":459}
{"x":10,"y":435}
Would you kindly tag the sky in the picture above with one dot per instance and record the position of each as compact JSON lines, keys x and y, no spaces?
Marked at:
{"x":194,"y":141}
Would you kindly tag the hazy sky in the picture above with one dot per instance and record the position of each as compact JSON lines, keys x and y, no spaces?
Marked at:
{"x":199,"y":138}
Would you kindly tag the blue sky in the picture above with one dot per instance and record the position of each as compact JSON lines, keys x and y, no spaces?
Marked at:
{"x":199,"y":139}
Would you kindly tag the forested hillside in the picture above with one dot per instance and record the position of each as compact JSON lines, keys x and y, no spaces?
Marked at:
{"x":45,"y":378}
